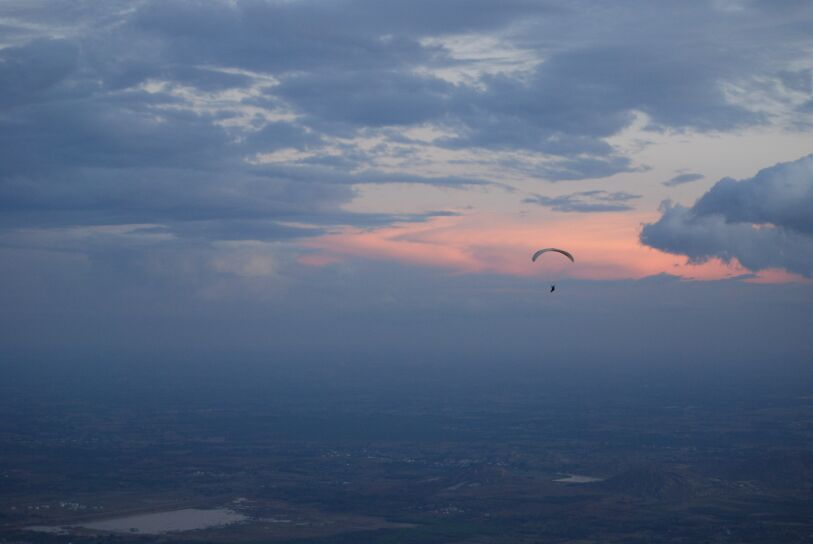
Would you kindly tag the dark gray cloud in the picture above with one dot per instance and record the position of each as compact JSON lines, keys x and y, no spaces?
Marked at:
{"x":681,"y":179}
{"x":365,"y":55}
{"x":781,"y":195}
{"x":282,"y":135}
{"x":156,"y":111}
{"x":587,"y":167}
{"x":310,"y":36}
{"x":86,"y":144}
{"x":368,"y":99}
{"x":683,"y":232}
{"x":29,"y":71}
{"x":763,"y":221}
{"x":585,"y":201}
{"x":576,"y":98}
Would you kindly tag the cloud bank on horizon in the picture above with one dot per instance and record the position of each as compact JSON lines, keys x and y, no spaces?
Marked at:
{"x":139,"y":133}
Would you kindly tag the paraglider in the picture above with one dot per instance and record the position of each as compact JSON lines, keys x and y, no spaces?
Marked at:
{"x":562,"y":251}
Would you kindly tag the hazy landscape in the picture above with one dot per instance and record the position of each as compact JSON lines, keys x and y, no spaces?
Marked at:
{"x":368,"y":455}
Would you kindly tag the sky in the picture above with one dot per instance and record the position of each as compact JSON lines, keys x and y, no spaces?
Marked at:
{"x":368,"y":179}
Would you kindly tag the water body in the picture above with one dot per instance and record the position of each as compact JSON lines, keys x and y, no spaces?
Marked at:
{"x":187,"y":519}
{"x":53,"y":529}
{"x":577,"y":479}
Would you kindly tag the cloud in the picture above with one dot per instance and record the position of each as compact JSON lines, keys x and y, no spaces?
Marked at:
{"x":680,"y":179}
{"x":781,"y":195}
{"x":29,"y":71}
{"x":372,"y":99}
{"x":585,"y":201}
{"x":365,"y":65}
{"x":587,"y":167}
{"x":162,"y":112}
{"x":578,"y":97}
{"x":762,"y":222}
{"x":797,"y":80}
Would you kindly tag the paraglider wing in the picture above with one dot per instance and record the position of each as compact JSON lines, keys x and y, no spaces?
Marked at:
{"x":562,"y":251}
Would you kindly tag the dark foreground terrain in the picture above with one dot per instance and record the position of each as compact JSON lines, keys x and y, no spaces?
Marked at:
{"x":408,"y":454}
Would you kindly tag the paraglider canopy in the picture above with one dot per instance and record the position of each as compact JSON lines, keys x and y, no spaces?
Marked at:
{"x":562,"y":251}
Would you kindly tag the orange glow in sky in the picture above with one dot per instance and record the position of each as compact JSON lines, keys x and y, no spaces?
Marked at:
{"x":605,"y":245}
